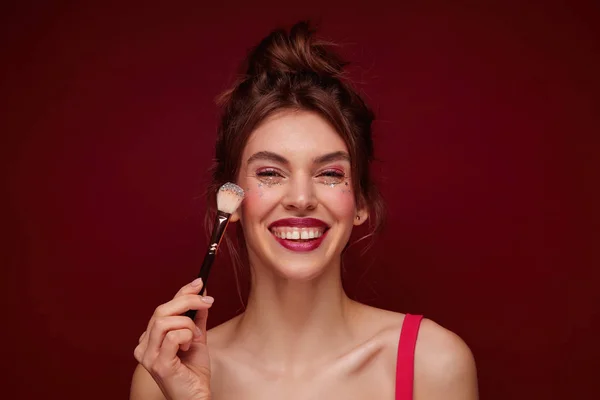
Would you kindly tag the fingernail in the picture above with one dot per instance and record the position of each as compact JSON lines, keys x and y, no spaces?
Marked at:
{"x":208,"y":299}
{"x":198,"y":331}
{"x":197,"y":282}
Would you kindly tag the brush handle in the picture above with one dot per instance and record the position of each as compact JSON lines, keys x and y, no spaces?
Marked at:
{"x":221,"y":222}
{"x":209,"y":258}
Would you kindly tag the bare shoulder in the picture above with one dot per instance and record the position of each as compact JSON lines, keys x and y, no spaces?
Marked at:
{"x":220,"y":336}
{"x":383,"y":328}
{"x":219,"y":340}
{"x":444,"y":365}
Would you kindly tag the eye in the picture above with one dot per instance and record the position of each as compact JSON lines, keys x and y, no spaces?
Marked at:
{"x":269,"y":173}
{"x":332,"y":177}
{"x":269,"y":176}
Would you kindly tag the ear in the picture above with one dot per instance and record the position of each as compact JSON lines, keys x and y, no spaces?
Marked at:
{"x":362,"y":214}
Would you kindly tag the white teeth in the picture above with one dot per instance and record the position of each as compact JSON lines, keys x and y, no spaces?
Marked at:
{"x":293,"y":233}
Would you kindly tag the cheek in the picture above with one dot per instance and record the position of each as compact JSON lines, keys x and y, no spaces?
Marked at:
{"x":338,"y":200}
{"x":259,"y":200}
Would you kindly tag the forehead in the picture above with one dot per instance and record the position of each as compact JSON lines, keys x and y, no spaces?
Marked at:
{"x":294,"y":134}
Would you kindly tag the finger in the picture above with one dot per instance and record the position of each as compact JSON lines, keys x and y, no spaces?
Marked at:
{"x":163,"y":326}
{"x":193,"y":287}
{"x":183,"y":303}
{"x":142,"y":336}
{"x":179,"y":306}
{"x":174,"y":341}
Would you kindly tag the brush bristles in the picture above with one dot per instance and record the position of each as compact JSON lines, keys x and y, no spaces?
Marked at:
{"x":229,"y":197}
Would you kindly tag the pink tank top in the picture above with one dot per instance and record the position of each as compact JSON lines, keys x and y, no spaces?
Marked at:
{"x":405,"y":366}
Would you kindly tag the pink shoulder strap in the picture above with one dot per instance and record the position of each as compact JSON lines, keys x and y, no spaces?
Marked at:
{"x":405,"y":366}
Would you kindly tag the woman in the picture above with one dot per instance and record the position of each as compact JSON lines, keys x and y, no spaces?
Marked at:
{"x":297,"y":138}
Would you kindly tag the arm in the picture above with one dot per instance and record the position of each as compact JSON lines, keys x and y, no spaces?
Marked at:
{"x":144,"y":387}
{"x":444,"y":366}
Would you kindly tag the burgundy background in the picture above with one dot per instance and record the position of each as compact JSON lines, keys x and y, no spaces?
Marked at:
{"x":486,"y":115}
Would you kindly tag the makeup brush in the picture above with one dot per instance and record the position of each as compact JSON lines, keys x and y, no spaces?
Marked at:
{"x":229,"y":197}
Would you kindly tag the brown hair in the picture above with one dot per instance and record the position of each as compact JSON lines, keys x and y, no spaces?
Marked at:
{"x":294,"y":70}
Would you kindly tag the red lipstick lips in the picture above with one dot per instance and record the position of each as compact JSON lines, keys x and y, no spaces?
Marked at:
{"x":299,"y":223}
{"x":304,"y":244}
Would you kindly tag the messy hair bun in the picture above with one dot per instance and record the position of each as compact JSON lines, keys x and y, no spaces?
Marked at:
{"x":296,"y":52}
{"x":295,"y":70}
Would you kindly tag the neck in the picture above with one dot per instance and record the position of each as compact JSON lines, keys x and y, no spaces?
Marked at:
{"x":293,"y":322}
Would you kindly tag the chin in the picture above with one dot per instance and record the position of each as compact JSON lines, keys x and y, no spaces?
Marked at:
{"x":298,"y":270}
{"x":297,"y":260}
{"x":293,"y":266}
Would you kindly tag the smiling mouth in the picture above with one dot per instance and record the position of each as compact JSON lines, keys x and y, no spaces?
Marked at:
{"x":299,"y":239}
{"x":298,"y":234}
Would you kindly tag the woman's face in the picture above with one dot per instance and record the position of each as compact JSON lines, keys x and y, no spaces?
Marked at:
{"x":299,"y":208}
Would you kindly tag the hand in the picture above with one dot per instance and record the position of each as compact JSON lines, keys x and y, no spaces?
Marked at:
{"x":173,"y":347}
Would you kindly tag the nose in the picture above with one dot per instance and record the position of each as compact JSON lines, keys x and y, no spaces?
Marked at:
{"x":300,"y":195}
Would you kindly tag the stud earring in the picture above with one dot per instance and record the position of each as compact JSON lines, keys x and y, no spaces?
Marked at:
{"x":358,"y":217}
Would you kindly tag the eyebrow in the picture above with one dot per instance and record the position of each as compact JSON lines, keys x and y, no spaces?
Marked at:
{"x":329,"y":157}
{"x":268,"y":156}
{"x":325,"y":158}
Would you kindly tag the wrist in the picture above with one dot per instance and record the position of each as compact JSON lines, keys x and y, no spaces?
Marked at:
{"x":201,"y":395}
